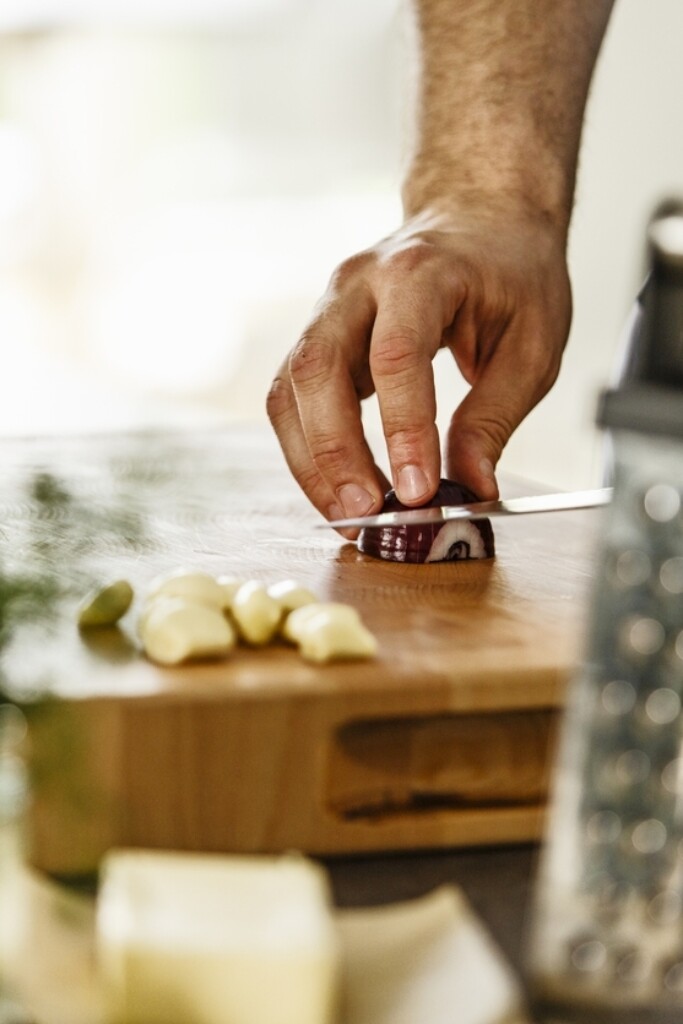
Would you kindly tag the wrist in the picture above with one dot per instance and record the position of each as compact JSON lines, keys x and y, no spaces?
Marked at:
{"x":493,"y":213}
{"x":433,"y":188}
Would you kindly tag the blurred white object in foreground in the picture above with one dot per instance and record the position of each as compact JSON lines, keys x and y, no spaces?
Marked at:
{"x":205,"y":939}
{"x":426,"y":959}
{"x":14,"y":792}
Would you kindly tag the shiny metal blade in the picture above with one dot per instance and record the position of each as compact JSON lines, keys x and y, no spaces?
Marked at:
{"x":562,"y":502}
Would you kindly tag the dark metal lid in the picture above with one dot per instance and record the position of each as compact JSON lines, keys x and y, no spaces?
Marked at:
{"x":643,"y":408}
{"x":649,"y":397}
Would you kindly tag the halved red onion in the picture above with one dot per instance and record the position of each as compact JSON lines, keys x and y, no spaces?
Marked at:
{"x":431,"y":542}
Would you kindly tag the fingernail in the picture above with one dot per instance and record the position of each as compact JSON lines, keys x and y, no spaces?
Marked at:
{"x":355,"y":500}
{"x":486,"y":469}
{"x":412,"y":483}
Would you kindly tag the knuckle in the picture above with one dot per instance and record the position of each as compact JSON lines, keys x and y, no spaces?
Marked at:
{"x":549,"y":375}
{"x":312,"y":359}
{"x":308,"y":479}
{"x":553,"y":362}
{"x":350,"y":271}
{"x":489,"y":432}
{"x":496,"y":430}
{"x":331,"y":456}
{"x":278,"y":400}
{"x":540,"y":362}
{"x":395,"y":352}
{"x":409,"y":257}
{"x":407,"y":440}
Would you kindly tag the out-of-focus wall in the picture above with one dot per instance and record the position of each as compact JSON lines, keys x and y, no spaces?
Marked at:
{"x":632,"y":157}
{"x":175,"y":199}
{"x":174,"y":196}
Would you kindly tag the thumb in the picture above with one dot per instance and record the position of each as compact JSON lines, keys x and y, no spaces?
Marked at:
{"x":515,"y":379}
{"x":480,"y":428}
{"x":471,"y":457}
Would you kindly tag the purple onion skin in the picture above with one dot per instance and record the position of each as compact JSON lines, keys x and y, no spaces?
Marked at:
{"x":415,"y":543}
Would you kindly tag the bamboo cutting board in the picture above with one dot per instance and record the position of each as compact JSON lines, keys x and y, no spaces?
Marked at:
{"x":442,"y":740}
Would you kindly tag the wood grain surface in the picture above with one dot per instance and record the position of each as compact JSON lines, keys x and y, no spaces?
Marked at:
{"x":441,"y":740}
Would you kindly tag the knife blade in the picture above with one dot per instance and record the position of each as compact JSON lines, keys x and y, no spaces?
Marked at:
{"x":563,"y":501}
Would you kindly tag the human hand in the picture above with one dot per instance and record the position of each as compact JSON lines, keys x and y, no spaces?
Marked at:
{"x":490,"y":283}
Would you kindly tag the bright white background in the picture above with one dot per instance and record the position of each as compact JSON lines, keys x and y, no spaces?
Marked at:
{"x":178,"y":179}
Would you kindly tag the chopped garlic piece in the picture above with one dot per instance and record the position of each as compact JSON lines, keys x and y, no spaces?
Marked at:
{"x":199,"y":587}
{"x":106,"y":606}
{"x":331,"y":636}
{"x":296,"y":621}
{"x":256,"y":614}
{"x":290,"y":595}
{"x":173,"y":630}
{"x":229,"y":585}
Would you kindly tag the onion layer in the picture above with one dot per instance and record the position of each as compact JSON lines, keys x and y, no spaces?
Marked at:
{"x":452,"y":541}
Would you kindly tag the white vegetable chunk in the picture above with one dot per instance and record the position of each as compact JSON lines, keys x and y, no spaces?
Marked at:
{"x":329,"y":635}
{"x":209,"y":939}
{"x":229,"y":585}
{"x":199,"y":587}
{"x":256,"y":614}
{"x":173,"y":630}
{"x":296,"y":622}
{"x":106,"y":606}
{"x":290,"y":595}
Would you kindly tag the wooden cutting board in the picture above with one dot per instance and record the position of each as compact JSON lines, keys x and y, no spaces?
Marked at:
{"x":442,"y":740}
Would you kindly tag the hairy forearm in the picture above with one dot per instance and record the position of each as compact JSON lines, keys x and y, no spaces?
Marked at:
{"x":500,"y":103}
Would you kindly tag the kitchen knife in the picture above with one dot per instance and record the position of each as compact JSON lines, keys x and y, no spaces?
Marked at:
{"x":562,"y":502}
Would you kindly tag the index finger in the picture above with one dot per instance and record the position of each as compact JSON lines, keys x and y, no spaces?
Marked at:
{"x":328,"y":372}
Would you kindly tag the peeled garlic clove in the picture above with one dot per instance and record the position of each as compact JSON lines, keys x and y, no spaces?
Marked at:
{"x":174,"y":630}
{"x":297,"y":620}
{"x":151,"y":605}
{"x":106,"y":606}
{"x":199,"y":587}
{"x":290,"y":595}
{"x":330,"y":636}
{"x":229,"y":585}
{"x":256,"y":614}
